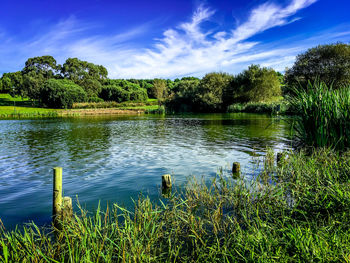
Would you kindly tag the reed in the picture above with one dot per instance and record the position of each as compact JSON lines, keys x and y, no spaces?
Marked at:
{"x":297,"y":211}
{"x":323,"y":116}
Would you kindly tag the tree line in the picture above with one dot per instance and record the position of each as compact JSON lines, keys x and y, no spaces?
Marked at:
{"x":59,"y":86}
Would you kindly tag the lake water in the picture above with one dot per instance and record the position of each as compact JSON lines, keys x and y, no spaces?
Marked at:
{"x":114,"y":158}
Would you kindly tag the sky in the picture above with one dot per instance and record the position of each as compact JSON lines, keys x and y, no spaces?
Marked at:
{"x":169,"y":39}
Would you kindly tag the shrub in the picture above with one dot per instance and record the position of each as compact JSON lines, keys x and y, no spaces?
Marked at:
{"x":138,"y":95}
{"x":114,"y":93}
{"x":61,"y":93}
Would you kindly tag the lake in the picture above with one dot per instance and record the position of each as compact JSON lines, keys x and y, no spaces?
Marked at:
{"x":115,"y":158}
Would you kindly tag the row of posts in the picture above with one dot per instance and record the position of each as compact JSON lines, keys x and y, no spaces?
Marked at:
{"x":62,"y":206}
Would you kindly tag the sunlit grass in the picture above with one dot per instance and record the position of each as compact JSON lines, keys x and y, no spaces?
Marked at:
{"x":323,"y":116}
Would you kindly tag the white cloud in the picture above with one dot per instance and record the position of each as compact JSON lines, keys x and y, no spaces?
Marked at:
{"x":188,"y":49}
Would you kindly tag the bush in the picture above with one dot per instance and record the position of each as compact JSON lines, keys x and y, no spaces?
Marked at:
{"x":114,"y":93}
{"x":61,"y":93}
{"x":323,"y":116}
{"x":138,"y":95}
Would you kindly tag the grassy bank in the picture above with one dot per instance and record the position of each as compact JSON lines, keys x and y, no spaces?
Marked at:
{"x":297,"y":211}
{"x":23,"y":108}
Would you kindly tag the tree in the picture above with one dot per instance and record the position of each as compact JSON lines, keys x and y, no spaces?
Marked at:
{"x":256,"y":84}
{"x":44,"y":65}
{"x":325,"y":63}
{"x":211,"y":90}
{"x":12,"y":83}
{"x":184,"y":96}
{"x":88,"y":75}
{"x":159,"y":90}
{"x":61,"y":93}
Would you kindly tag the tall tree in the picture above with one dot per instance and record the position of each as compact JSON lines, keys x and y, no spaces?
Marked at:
{"x":86,"y":74}
{"x":160,"y":90}
{"x":326,"y":63}
{"x":256,"y":84}
{"x":44,"y":65}
{"x":211,"y":91}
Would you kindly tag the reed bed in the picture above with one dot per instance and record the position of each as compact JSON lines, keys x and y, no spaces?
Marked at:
{"x":323,"y":116}
{"x":296,"y":211}
{"x":259,"y":107}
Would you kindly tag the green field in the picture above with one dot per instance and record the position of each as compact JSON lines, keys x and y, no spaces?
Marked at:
{"x":18,"y":107}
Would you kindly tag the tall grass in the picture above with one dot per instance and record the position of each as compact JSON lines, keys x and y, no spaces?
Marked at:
{"x":323,"y":116}
{"x":259,"y":107}
{"x":297,"y":211}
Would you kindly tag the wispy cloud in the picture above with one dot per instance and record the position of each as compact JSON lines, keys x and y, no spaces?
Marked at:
{"x":187,"y":49}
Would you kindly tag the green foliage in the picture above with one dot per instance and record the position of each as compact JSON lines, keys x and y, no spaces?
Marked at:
{"x":12,"y":83}
{"x":256,"y":84}
{"x":159,"y":90}
{"x":326,"y":63}
{"x":211,"y":90}
{"x":184,"y":96}
{"x":260,"y":107}
{"x":87,"y":75}
{"x":138,"y":94}
{"x":32,"y":85}
{"x":76,"y":70}
{"x":61,"y":93}
{"x":114,"y":93}
{"x":46,"y":66}
{"x":286,"y":214}
{"x":323,"y":116}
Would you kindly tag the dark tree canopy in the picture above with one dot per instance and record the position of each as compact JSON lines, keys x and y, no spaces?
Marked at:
{"x":325,"y":63}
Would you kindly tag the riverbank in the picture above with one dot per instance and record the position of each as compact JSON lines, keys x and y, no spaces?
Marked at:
{"x":286,"y":214}
{"x":23,"y":108}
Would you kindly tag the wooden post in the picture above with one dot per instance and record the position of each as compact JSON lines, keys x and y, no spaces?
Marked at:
{"x":67,"y":210}
{"x":236,"y":169}
{"x":166,"y":181}
{"x":57,"y":192}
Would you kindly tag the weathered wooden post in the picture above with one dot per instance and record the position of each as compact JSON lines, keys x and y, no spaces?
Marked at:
{"x":61,"y":209}
{"x":67,"y":210}
{"x":166,"y":185}
{"x":166,"y":181}
{"x":57,"y":193}
{"x":236,"y":169}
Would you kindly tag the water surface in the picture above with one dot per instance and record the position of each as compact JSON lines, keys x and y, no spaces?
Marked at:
{"x":114,"y":158}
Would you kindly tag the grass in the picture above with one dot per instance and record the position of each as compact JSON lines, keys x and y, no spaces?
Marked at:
{"x":323,"y":116}
{"x":24,"y":108}
{"x":113,"y":104}
{"x":280,"y":107}
{"x":296,"y":211}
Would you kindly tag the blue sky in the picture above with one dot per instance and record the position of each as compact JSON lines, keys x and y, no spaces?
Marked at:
{"x":169,"y":39}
